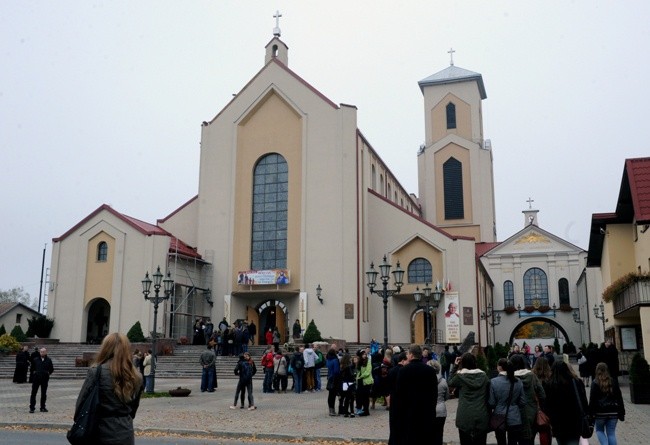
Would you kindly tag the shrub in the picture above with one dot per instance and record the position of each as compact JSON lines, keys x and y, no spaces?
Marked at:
{"x":135,"y":334}
{"x":312,"y":333}
{"x":556,"y":346}
{"x":492,"y":358}
{"x":18,"y":334}
{"x":9,"y":343}
{"x":39,"y":326}
{"x":639,"y":370}
{"x":3,"y":331}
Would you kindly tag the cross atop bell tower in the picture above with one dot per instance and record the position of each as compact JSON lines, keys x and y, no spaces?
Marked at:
{"x":276,"y":30}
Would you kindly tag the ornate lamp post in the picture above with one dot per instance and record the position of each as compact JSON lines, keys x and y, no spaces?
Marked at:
{"x":168,"y":286}
{"x":384,"y":293}
{"x":599,"y":312}
{"x":429,"y":305}
{"x":496,"y":317}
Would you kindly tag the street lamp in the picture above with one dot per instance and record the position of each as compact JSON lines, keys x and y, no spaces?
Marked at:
{"x":599,"y":312}
{"x":436,"y":294}
{"x":496,"y":317}
{"x":398,"y":274}
{"x":168,"y":286}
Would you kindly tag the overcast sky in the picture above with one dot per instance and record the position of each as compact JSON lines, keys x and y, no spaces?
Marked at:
{"x":102,"y":102}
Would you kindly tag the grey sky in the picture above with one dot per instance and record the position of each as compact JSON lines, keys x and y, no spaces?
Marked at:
{"x":102,"y":102}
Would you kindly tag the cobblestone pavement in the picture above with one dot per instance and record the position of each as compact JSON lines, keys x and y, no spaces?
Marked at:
{"x":281,"y":416}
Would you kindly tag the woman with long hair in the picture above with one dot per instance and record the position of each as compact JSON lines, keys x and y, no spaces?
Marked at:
{"x":472,"y":413}
{"x":543,"y":372}
{"x":606,"y":405}
{"x":120,"y":386}
{"x":565,"y":395}
{"x":507,"y":399}
{"x":533,"y":392}
{"x":348,"y":377}
{"x":364,"y":383}
{"x":333,"y":379}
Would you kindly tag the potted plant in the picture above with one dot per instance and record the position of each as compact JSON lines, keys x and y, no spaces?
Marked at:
{"x":639,"y":380}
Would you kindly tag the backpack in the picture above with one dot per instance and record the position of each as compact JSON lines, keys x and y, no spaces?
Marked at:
{"x":245,"y":371}
{"x":320,"y":360}
{"x":298,"y":362}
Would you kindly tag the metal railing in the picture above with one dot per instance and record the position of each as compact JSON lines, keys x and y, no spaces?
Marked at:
{"x":637,"y":294}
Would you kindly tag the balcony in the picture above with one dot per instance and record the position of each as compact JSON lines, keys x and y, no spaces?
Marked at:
{"x":637,"y":294}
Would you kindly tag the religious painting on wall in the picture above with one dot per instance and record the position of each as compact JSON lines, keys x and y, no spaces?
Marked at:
{"x":452,"y":318}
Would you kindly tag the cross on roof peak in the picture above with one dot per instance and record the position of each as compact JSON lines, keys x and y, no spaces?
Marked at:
{"x":451,"y":55}
{"x":276,"y":30}
{"x":530,"y":202}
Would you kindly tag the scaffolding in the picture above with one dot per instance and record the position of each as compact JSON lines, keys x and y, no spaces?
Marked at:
{"x":192,"y":296}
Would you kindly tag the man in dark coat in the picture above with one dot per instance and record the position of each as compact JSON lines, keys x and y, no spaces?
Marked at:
{"x":416,"y":395}
{"x":252,"y":331}
{"x":609,"y":356}
{"x":391,"y":383}
{"x":22,"y":366}
{"x":42,"y":366}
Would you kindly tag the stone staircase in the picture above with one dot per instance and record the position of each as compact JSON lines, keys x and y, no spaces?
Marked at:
{"x":183,"y":364}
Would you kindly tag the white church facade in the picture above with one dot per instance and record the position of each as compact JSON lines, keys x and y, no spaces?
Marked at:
{"x":293,"y":197}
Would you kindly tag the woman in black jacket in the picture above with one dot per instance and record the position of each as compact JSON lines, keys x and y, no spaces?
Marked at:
{"x":562,"y":404}
{"x":606,"y":405}
{"x":120,"y":386}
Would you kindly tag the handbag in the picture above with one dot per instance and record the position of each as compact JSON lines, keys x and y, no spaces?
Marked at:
{"x":542,"y":421}
{"x":85,"y":418}
{"x":586,"y":425}
{"x":499,"y":422}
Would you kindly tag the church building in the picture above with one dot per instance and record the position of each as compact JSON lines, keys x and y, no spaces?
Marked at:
{"x":294,"y":204}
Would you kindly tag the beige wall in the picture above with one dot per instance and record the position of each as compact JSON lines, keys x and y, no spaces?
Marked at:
{"x":438,"y":116}
{"x":271,"y":127}
{"x":99,"y":274}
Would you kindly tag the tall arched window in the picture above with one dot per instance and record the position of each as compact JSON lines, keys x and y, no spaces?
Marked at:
{"x":563,"y":291}
{"x":388,"y":191}
{"x":381,"y":184}
{"x":419,"y":271}
{"x":451,"y":115}
{"x":102,"y":251}
{"x":535,"y":287}
{"x":508,"y":294}
{"x":452,"y":173}
{"x":374,"y":179}
{"x":270,"y":200}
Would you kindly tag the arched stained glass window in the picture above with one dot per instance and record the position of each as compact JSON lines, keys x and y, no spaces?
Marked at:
{"x":563,"y":291}
{"x":102,"y":251}
{"x":452,"y":172}
{"x":270,"y":202}
{"x":535,"y":287}
{"x":451,"y":115}
{"x":508,"y":294}
{"x":419,"y":271}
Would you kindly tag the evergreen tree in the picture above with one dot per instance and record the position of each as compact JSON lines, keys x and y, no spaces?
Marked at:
{"x":40,"y":326}
{"x":556,"y":346}
{"x":135,"y":334}
{"x":18,"y":333}
{"x":312,"y":333}
{"x":3,"y":331}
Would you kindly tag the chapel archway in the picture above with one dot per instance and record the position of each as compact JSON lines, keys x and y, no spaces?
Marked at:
{"x":527,"y":321}
{"x":271,"y":314}
{"x":99,"y":317}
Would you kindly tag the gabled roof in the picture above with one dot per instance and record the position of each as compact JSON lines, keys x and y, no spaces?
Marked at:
{"x":632,"y":205}
{"x":175,"y":245}
{"x":534,"y":237}
{"x":634,"y":196}
{"x":454,"y":74}
{"x":8,"y":306}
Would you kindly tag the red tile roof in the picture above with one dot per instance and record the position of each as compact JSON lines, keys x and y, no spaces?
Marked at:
{"x":638,"y":174}
{"x":483,"y":248}
{"x":175,"y":245}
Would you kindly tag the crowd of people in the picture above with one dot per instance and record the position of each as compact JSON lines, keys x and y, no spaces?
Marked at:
{"x":414,"y":385}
